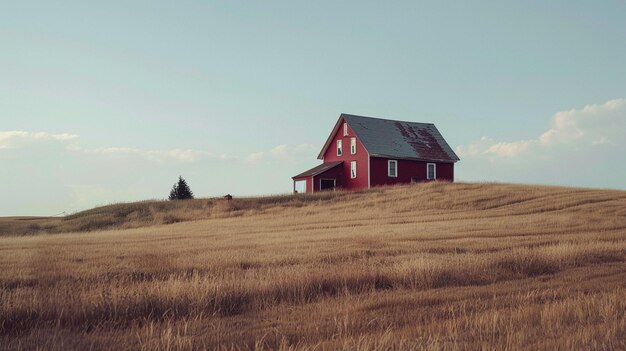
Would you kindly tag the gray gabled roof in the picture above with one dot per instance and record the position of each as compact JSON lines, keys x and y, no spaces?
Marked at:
{"x":397,"y":139}
{"x":319,"y":169}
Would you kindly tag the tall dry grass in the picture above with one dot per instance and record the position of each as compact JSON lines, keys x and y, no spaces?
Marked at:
{"x":433,"y":266}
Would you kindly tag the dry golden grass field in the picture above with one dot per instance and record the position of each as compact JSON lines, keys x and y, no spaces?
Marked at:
{"x":431,"y":266}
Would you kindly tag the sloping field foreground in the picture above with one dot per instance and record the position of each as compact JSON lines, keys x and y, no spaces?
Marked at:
{"x":431,"y":266}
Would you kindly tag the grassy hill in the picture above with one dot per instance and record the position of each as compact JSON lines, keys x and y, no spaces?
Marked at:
{"x":431,"y":266}
{"x":155,"y":212}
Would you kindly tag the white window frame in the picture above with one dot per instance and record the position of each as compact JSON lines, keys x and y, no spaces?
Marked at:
{"x":395,"y":163}
{"x":295,"y":186}
{"x":345,"y":129}
{"x":353,"y":173}
{"x":353,"y":146}
{"x":339,"y":148}
{"x":434,"y":171}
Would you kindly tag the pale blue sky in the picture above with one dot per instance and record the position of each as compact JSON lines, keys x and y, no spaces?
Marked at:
{"x":104,"y":102}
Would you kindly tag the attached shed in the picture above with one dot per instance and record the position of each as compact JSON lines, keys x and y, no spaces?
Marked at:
{"x":323,"y":177}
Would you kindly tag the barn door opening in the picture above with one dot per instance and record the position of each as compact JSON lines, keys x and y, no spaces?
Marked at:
{"x":327,"y":184}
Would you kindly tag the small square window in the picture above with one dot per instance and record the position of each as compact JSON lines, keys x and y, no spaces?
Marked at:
{"x":299,"y":187}
{"x":431,"y":171}
{"x":392,"y":168}
{"x":339,"y":148}
{"x":353,"y":169}
{"x":353,"y":146}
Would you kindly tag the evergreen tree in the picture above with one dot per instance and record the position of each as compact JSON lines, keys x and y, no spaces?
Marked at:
{"x":180,"y":190}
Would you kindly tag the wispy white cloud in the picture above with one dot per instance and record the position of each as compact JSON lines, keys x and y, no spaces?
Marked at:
{"x":580,"y":147}
{"x":284,"y":152}
{"x":71,"y":176}
{"x":592,"y":125}
{"x":16,"y":139}
{"x":13,"y":140}
{"x":178,"y":155}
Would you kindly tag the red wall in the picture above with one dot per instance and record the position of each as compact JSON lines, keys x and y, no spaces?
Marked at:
{"x":406,"y":170}
{"x":361,"y":180}
{"x":334,"y":173}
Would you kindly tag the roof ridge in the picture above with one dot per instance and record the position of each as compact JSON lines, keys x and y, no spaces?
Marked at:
{"x":395,"y":137}
{"x":385,"y":119}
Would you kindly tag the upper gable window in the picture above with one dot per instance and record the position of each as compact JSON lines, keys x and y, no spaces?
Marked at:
{"x":345,"y":129}
{"x":431,"y":171}
{"x":339,"y":148}
{"x":353,"y":146}
{"x":352,"y":169}
{"x":392,"y":168}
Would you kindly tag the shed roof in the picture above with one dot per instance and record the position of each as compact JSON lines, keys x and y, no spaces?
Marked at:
{"x":319,"y":169}
{"x":397,"y":139}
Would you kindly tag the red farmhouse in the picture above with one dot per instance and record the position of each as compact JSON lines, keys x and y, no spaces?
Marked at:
{"x":362,"y":152}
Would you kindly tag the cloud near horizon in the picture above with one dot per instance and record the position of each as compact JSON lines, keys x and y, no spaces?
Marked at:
{"x":283,"y":152}
{"x":23,"y":139}
{"x":15,"y":139}
{"x":63,"y":176}
{"x":580,"y":147}
{"x":584,"y":128}
{"x":160,"y":156}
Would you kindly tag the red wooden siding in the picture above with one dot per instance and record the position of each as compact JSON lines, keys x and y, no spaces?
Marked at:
{"x":333,"y":173}
{"x":406,"y":170}
{"x":361,"y":180}
{"x":445,"y":171}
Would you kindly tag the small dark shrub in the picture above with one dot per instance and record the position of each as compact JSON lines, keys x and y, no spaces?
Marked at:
{"x":181,"y":191}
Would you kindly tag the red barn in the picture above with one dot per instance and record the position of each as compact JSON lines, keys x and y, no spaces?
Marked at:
{"x":362,"y":152}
